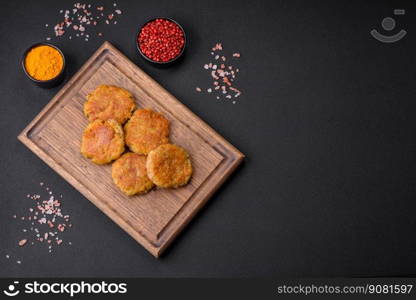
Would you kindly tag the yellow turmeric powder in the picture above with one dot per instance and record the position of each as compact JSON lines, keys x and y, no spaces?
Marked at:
{"x":43,"y":62}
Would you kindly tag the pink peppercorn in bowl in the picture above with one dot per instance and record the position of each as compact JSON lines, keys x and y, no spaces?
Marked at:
{"x":161,"y":41}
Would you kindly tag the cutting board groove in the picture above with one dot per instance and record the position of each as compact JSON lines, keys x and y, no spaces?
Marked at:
{"x":156,"y":218}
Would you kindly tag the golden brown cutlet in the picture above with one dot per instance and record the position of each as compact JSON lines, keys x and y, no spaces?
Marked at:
{"x":102,"y":141}
{"x":169,"y":166}
{"x":146,"y":130}
{"x":109,"y":102}
{"x":130,"y":175}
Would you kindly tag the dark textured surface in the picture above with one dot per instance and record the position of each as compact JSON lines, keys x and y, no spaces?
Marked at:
{"x":326,"y":121}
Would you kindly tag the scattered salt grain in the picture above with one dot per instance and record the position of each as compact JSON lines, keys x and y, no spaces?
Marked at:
{"x":48,"y":214}
{"x":223,"y":72}
{"x":82,"y":16}
{"x":218,"y":46}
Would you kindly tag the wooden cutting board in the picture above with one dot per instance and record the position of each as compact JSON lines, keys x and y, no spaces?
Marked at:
{"x":156,"y":218}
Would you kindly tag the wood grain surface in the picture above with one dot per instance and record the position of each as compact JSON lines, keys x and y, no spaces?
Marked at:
{"x":156,"y":218}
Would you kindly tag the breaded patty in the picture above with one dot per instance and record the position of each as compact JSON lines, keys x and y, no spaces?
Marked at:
{"x":129,"y":174}
{"x":169,"y":166}
{"x":109,"y":102}
{"x":146,"y":130}
{"x":102,"y":141}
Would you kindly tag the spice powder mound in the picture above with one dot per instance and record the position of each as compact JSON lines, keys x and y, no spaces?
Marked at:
{"x":44,"y":62}
{"x":44,"y":222}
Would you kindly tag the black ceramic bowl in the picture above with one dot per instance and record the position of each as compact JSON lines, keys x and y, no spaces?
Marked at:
{"x":161,"y":63}
{"x":45,"y":83}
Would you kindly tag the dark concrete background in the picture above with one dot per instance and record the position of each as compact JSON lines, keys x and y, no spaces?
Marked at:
{"x":326,"y":121}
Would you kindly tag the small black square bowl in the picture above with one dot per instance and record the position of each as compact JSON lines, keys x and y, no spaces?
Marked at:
{"x":162,"y":63}
{"x":45,"y":83}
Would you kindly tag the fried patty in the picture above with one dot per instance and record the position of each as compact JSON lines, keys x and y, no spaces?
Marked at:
{"x":109,"y":102}
{"x":130,"y":175}
{"x":102,"y":141}
{"x":169,"y":166}
{"x":146,"y":130}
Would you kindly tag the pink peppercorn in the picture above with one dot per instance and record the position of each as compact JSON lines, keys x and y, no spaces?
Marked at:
{"x":161,"y":40}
